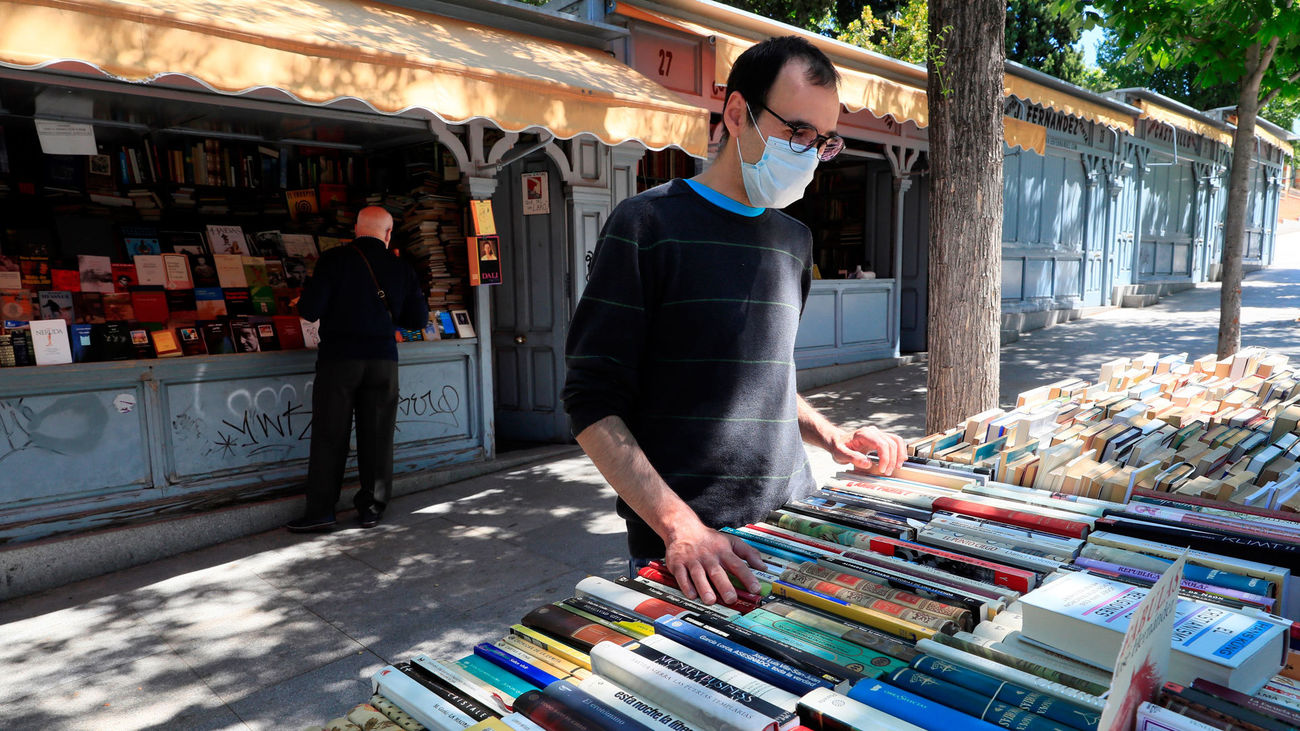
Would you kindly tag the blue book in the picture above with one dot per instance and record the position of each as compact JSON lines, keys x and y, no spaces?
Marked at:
{"x":914,"y":709}
{"x":503,"y":680}
{"x":582,"y":704}
{"x":501,"y":658}
{"x":742,"y":658}
{"x":771,"y":549}
{"x":1016,"y":696}
{"x":79,"y":335}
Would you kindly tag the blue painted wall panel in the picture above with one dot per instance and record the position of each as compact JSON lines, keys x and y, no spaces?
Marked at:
{"x":817,"y":326}
{"x":865,"y":320}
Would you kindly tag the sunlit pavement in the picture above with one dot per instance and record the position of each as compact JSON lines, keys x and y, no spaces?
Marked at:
{"x":283,"y":631}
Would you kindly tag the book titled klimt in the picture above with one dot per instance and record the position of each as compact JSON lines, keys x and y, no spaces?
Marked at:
{"x":1085,"y":616}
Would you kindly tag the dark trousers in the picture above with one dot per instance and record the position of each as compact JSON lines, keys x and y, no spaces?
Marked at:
{"x":368,"y":390}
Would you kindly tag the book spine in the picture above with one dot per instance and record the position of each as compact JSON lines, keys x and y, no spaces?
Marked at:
{"x":581,"y":632}
{"x":1035,"y":543}
{"x":1047,"y":524}
{"x":914,"y":709}
{"x":872,"y":639}
{"x":1014,"y":695}
{"x":971,"y":703}
{"x":1078,"y":687}
{"x":626,"y":702}
{"x":422,"y":704}
{"x":881,"y":591}
{"x":624,"y":620}
{"x":846,"y":654}
{"x":448,"y":691}
{"x":822,"y":530}
{"x":987,"y":548}
{"x":480,"y":691}
{"x":505,"y":660}
{"x":1150,"y":577}
{"x":547,"y":662}
{"x":625,"y":598}
{"x":1151,"y":717}
{"x":509,"y":684}
{"x":584,"y":705}
{"x":829,"y":711}
{"x":745,"y":601}
{"x":974,"y":568}
{"x":906,"y":614}
{"x":1217,"y":705}
{"x":550,"y":714}
{"x":691,"y":702}
{"x":552,"y":645}
{"x":778,"y":649}
{"x":672,"y":596}
{"x":745,"y":688}
{"x":915,"y":584}
{"x":755,"y":663}
{"x":841,"y":608}
{"x":1275,"y":710}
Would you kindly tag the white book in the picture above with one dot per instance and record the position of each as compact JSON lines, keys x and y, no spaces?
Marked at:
{"x":722,"y":671}
{"x":471,"y":686}
{"x":149,"y":270}
{"x":230,"y":270}
{"x":1024,"y":539}
{"x":430,"y":709}
{"x":1151,"y":717}
{"x":1038,"y":499}
{"x":693,"y":702}
{"x":631,"y":704}
{"x":1086,"y":616}
{"x":1012,"y":643}
{"x":986,"y":548}
{"x":519,"y":722}
{"x":1009,"y":674}
{"x":50,"y":341}
{"x":824,"y":703}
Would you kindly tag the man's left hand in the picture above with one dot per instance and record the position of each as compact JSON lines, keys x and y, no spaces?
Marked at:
{"x":852,"y":448}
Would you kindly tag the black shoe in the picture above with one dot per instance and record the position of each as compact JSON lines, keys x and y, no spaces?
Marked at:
{"x":311,"y":525}
{"x":368,"y":517}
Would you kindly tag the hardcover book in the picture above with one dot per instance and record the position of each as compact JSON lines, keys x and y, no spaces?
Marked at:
{"x":217,"y":339}
{"x":239,"y":301}
{"x":16,"y":305}
{"x":191,"y":341}
{"x":67,"y":280}
{"x":245,"y":334}
{"x":150,"y":305}
{"x":176,"y":272}
{"x":227,"y":241}
{"x":165,"y":344}
{"x":124,"y":278}
{"x":1085,"y":616}
{"x":96,"y":274}
{"x":288,"y":328}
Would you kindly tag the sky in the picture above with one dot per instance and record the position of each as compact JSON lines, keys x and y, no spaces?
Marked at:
{"x":1088,"y":43}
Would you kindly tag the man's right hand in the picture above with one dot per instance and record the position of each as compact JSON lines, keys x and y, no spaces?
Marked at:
{"x":700,"y":558}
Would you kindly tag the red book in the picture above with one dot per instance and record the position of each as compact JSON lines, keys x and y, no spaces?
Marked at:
{"x":1018,"y":518}
{"x":289,"y":330}
{"x":150,"y":306}
{"x":658,"y":573}
{"x":67,"y":280}
{"x":976,"y":568}
{"x":124,"y":277}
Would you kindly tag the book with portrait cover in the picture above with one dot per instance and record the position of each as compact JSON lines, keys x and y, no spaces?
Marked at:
{"x":124,"y":277}
{"x":245,"y":335}
{"x":203,"y":271}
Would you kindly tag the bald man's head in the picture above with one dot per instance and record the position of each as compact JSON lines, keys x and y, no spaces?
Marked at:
{"x":376,"y":222}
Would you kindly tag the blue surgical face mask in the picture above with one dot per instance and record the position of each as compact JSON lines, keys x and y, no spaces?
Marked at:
{"x":780,"y":175}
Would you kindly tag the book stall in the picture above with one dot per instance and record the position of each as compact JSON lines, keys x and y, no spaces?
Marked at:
{"x":991,"y":582}
{"x":150,"y":267}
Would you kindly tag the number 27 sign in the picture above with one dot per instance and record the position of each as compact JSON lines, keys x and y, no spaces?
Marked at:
{"x":672,"y":62}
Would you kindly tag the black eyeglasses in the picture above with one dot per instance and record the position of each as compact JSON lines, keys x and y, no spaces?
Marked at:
{"x":804,"y":137}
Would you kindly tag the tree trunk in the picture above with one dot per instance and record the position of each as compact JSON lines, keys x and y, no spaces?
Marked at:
{"x":1234,"y":224}
{"x":965,"y":90}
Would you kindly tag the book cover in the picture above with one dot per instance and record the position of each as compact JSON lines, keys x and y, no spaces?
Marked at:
{"x":55,"y":305}
{"x":422,"y":704}
{"x":268,"y":243}
{"x":245,"y":334}
{"x":1151,"y":717}
{"x":217,"y":338}
{"x":96,"y":273}
{"x":255,"y":273}
{"x":17,"y":305}
{"x":140,"y":240}
{"x":118,"y":307}
{"x":288,"y":328}
{"x":302,"y":203}
{"x":299,"y":245}
{"x":1014,"y":579}
{"x":459,"y":699}
{"x":267,"y":338}
{"x":761,"y":666}
{"x":286,"y":300}
{"x":913,"y":708}
{"x":581,"y":633}
{"x":124,"y":278}
{"x":464,"y":328}
{"x":176,"y":272}
{"x":150,"y":305}
{"x":50,"y":342}
{"x":333,"y":195}
{"x":7,"y":350}
{"x":149,"y":270}
{"x":585,"y":706}
{"x":112,"y":341}
{"x":165,"y":344}
{"x":1086,"y":616}
{"x":67,"y":280}
{"x":261,"y":301}
{"x":1062,"y":711}
{"x":141,"y":343}
{"x":275,"y":274}
{"x":184,"y":242}
{"x":226,"y":241}
{"x":484,"y":260}
{"x":484,"y":221}
{"x":181,"y":306}
{"x":310,"y":333}
{"x":190,"y":340}
{"x":971,"y":703}
{"x":80,"y":337}
{"x":11,"y":273}
{"x":550,"y":713}
{"x":203,"y":271}
{"x":230,"y":271}
{"x":24,"y":352}
{"x":35,"y":272}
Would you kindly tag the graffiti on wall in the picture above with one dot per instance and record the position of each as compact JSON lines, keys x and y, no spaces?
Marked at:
{"x":63,"y":425}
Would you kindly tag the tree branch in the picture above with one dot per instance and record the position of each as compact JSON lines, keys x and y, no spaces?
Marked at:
{"x":1269,"y":97}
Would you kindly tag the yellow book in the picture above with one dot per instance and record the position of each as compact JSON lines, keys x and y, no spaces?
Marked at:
{"x":869,"y":617}
{"x":553,"y":645}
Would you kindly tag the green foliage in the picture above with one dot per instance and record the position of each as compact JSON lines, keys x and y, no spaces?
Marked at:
{"x":902,"y":35}
{"x":1197,"y":52}
{"x":1043,"y":37}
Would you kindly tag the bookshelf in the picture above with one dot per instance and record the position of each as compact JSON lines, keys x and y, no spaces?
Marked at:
{"x":659,"y":167}
{"x":835,"y":209}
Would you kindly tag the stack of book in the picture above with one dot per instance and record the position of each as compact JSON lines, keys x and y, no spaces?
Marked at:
{"x":433,"y":234}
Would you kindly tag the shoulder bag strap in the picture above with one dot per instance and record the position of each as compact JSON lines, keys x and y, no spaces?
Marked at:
{"x":383,"y":296}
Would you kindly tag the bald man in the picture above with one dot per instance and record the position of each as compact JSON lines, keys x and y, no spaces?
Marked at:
{"x":359,"y":293}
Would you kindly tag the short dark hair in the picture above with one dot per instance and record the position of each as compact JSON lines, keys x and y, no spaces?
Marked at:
{"x":756,"y":69}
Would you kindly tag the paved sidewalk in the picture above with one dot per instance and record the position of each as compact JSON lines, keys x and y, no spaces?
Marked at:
{"x":283,"y":631}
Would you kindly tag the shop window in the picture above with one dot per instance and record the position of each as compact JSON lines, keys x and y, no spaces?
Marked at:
{"x":659,"y":167}
{"x":192,"y":229}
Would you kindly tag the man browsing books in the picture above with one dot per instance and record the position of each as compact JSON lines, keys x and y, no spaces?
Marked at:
{"x":359,"y":294}
{"x":681,"y":382}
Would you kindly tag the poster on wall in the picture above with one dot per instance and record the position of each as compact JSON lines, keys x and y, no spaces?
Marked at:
{"x":537,"y":194}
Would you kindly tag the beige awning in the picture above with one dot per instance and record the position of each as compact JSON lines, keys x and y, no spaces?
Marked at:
{"x":1026,"y":135}
{"x":323,"y":51}
{"x":1183,"y":122}
{"x":1063,"y":102}
{"x":859,"y":89}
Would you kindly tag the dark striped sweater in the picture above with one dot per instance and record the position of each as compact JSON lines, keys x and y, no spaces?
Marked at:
{"x":686,"y":331}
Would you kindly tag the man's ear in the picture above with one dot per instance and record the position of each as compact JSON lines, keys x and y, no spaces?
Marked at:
{"x":734,"y":115}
